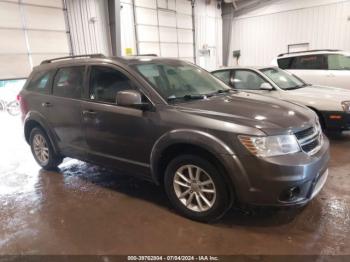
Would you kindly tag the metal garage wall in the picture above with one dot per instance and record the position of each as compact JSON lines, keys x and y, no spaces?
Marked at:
{"x":89,"y":26}
{"x":127,"y":28}
{"x":264,"y":33}
{"x":30,"y":30}
{"x":208,"y":34}
{"x":163,"y":27}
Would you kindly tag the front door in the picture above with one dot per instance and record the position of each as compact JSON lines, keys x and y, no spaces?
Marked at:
{"x":251,"y":81}
{"x":116,"y":135}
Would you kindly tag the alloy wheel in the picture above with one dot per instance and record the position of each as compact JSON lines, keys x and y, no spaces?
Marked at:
{"x":41,"y":149}
{"x":194,"y":188}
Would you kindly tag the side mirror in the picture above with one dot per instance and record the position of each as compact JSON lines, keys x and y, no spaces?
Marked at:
{"x":131,"y":98}
{"x":266,"y":86}
{"x":232,"y":82}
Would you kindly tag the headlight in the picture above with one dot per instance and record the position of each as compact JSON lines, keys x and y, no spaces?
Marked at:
{"x":346,"y":106}
{"x":267,"y":146}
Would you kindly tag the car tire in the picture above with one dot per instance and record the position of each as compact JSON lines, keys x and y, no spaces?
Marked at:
{"x":208,"y":184}
{"x":42,"y":150}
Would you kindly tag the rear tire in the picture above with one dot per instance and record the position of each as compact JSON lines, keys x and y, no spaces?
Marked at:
{"x":42,"y":150}
{"x":196,"y":188}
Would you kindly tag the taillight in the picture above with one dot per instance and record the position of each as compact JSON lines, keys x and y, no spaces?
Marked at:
{"x":18,"y":97}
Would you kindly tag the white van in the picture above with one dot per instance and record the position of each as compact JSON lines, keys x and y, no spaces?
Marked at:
{"x":318,"y":67}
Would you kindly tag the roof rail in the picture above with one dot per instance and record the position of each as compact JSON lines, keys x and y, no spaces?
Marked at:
{"x":72,"y":57}
{"x":309,"y":51}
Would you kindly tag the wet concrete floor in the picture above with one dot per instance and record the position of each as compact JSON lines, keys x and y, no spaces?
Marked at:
{"x":86,"y":209}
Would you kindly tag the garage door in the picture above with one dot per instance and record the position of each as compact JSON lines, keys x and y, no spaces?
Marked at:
{"x":30,"y":30}
{"x":164,"y":27}
{"x":89,"y":28}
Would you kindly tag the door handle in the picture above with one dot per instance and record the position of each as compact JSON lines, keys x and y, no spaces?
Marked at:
{"x":89,"y":113}
{"x":46,"y":104}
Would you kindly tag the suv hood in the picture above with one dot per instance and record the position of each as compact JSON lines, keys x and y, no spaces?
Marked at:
{"x":319,"y":97}
{"x":270,"y":115}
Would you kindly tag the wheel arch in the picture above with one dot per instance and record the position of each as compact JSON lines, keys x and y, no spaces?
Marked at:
{"x":191,"y":142}
{"x":35,"y":121}
{"x":320,"y":117}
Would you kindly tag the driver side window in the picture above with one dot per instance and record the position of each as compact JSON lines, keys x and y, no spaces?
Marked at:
{"x":223,"y":75}
{"x":106,"y":82}
{"x":244,"y":79}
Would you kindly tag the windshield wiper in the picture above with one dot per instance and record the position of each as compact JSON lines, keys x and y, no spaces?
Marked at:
{"x":186,"y":97}
{"x":197,"y":96}
{"x":220,"y":91}
{"x":297,"y":87}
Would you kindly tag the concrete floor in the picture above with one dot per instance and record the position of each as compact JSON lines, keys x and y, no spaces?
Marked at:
{"x":86,"y":209}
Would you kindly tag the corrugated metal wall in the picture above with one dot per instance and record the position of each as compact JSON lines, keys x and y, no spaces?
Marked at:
{"x":265,"y":34}
{"x":208,"y":33}
{"x":171,"y":33}
{"x":127,"y":29}
{"x":163,"y":27}
{"x":89,"y":26}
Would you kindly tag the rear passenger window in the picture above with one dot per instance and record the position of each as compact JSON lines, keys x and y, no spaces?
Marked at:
{"x":223,"y":76}
{"x":40,"y":82}
{"x":310,"y":62}
{"x":69,"y":82}
{"x":106,"y":82}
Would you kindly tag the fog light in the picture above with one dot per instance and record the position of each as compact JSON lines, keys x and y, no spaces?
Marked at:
{"x":290,"y":194}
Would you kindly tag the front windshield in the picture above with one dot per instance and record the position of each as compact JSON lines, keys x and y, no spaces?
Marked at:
{"x":180,"y":80}
{"x":283,"y":79}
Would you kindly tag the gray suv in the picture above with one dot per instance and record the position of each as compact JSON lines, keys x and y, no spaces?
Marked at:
{"x":174,"y":123}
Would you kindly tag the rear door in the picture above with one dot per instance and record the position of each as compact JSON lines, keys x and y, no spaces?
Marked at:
{"x":65,"y":110}
{"x":118,"y":136}
{"x":36,"y":93}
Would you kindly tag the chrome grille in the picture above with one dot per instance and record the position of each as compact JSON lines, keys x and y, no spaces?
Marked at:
{"x":304,"y":133}
{"x":310,"y":139}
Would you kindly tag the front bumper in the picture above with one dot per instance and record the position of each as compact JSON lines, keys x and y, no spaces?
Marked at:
{"x":269,"y":182}
{"x":336,"y":120}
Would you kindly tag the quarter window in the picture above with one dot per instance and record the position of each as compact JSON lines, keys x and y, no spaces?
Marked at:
{"x":40,"y":82}
{"x":338,"y":62}
{"x":244,"y":79}
{"x":106,"y":82}
{"x":69,"y":82}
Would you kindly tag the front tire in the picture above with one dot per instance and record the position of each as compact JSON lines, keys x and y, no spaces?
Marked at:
{"x":42,"y":150}
{"x":196,"y":188}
